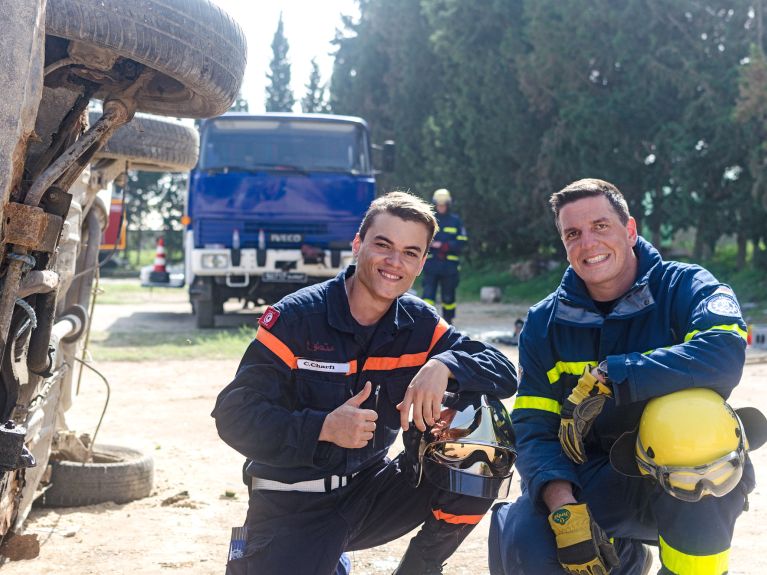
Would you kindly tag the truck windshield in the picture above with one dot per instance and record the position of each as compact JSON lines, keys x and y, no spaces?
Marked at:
{"x":284,"y":144}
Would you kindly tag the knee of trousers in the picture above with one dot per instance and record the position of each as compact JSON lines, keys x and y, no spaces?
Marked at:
{"x":457,"y":504}
{"x":520,"y":540}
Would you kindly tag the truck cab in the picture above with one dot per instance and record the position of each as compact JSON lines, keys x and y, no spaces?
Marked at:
{"x":273,"y":204}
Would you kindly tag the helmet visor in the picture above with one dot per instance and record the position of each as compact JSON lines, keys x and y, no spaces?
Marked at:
{"x":692,"y":483}
{"x":481,"y":459}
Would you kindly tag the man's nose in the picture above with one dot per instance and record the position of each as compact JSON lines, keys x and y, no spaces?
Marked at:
{"x":588,"y":238}
{"x":394,"y":259}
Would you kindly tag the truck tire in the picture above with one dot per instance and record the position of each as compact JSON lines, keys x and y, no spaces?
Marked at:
{"x":118,"y":474}
{"x":152,"y":144}
{"x":197,"y":48}
{"x":205,"y":311}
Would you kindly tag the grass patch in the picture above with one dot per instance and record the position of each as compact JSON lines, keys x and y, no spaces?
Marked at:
{"x":474,"y":277}
{"x":130,"y":292}
{"x":153,"y":346}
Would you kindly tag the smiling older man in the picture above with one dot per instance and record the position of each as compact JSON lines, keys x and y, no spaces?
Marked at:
{"x":623,"y":327}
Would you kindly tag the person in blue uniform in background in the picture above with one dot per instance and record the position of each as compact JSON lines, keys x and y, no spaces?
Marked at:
{"x":443,"y":263}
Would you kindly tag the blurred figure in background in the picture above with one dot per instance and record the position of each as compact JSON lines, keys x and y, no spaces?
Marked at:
{"x":443,"y":263}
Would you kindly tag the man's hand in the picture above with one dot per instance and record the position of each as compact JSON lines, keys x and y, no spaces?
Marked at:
{"x":583,"y":548}
{"x":348,"y":425}
{"x":580,"y":410}
{"x":425,"y":394}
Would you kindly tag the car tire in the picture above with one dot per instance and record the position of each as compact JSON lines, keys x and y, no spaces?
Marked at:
{"x":118,"y":474}
{"x":197,"y":48}
{"x":205,"y":313}
{"x":152,"y":144}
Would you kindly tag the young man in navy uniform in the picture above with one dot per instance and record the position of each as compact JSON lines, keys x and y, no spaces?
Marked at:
{"x":321,"y":393}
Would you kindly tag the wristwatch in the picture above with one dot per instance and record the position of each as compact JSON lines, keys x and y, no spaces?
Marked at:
{"x":602,"y":369}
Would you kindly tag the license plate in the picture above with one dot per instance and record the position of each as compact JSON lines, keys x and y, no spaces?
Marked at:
{"x":284,"y":277}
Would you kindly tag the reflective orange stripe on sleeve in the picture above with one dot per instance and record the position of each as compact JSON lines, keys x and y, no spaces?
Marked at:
{"x":408,"y":359}
{"x":457,"y":519}
{"x":276,"y":347}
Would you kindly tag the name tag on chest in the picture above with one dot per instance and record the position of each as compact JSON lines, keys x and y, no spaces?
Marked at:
{"x":313,"y":365}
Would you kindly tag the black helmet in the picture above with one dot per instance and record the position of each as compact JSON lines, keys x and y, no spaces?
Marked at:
{"x":470,"y":450}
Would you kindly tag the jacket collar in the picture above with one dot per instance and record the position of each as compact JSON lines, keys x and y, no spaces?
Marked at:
{"x":573,"y":305}
{"x":340,"y":314}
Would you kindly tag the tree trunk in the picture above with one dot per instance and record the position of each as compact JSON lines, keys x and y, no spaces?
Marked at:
{"x":742,"y":241}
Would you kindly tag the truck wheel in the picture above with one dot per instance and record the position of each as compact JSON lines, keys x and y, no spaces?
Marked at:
{"x":206,"y":313}
{"x":196,"y":47}
{"x":118,"y":474}
{"x":152,"y":144}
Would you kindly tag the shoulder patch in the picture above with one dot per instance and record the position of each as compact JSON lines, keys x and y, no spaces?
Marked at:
{"x":723,"y":304}
{"x":724,"y":290}
{"x":269,"y":318}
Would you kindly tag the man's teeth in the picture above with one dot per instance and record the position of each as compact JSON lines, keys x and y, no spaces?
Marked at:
{"x":596,"y":259}
{"x":389,"y":276}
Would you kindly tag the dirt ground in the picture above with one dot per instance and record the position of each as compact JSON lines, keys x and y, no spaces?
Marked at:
{"x":184,"y":526}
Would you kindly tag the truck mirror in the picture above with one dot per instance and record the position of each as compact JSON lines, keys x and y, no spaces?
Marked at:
{"x":388,"y":156}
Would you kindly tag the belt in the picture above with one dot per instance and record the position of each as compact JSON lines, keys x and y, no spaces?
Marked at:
{"x":325,"y":485}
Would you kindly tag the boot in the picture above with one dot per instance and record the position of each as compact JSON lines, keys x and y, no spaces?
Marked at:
{"x":413,"y":563}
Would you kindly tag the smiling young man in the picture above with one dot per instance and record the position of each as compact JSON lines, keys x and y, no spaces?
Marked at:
{"x":623,"y":327}
{"x":321,"y":394}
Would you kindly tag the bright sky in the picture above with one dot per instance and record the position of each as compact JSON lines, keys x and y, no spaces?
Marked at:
{"x":309,"y":26}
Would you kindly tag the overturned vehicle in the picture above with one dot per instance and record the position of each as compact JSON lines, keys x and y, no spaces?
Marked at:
{"x":180,"y":58}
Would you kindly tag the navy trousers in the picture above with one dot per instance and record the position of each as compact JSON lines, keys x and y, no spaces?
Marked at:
{"x":307,"y":533}
{"x":633,"y":511}
{"x":444,"y":275}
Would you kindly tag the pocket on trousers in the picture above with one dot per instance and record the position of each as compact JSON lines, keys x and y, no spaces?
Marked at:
{"x":255,"y":553}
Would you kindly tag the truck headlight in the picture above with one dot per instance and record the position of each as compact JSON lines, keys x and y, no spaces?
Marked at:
{"x":214,"y":261}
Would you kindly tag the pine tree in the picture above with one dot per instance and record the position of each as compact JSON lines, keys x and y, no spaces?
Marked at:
{"x":279,"y":96}
{"x":315,"y":101}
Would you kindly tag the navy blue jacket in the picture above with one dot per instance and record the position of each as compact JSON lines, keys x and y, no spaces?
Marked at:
{"x":452,"y":236}
{"x":307,"y":360}
{"x":677,"y":327}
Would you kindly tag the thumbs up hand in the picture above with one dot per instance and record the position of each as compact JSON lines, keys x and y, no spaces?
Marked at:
{"x":349,"y":425}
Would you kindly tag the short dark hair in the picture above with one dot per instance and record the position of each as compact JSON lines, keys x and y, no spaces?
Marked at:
{"x":589,"y":188}
{"x":405,"y":206}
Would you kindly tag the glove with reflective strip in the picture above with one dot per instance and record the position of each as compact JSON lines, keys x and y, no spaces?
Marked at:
{"x":579,"y":411}
{"x":583,"y":548}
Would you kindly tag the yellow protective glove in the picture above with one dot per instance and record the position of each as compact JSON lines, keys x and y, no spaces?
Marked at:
{"x":583,"y":548}
{"x":578,"y":413}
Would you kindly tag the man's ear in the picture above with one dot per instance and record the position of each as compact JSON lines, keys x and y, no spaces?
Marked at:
{"x":631,"y":226}
{"x":356,"y":245}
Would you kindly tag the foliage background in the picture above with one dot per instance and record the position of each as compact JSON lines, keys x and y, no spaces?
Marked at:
{"x":507,"y":101}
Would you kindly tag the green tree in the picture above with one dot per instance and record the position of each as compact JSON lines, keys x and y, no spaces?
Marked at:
{"x":149,"y":195}
{"x":385,"y":71}
{"x":279,"y":96}
{"x":315,"y":100}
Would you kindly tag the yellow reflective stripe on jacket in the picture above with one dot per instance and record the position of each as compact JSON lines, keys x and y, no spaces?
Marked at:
{"x":571,"y":367}
{"x":731,"y":327}
{"x":453,"y":258}
{"x":450,"y":230}
{"x":542,"y":403}
{"x":449,"y":305}
{"x":683,"y":564}
{"x":462,"y":238}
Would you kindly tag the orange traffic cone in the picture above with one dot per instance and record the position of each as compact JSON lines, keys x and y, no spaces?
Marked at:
{"x":159,"y":273}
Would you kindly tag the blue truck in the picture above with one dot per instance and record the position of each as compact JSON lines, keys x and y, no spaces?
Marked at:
{"x":273,"y":204}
